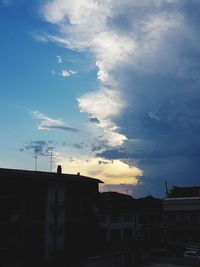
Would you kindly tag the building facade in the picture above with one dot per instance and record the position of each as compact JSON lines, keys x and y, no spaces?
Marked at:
{"x":182,"y":215}
{"x":150,"y":213}
{"x":119,"y":228}
{"x":47,"y":216}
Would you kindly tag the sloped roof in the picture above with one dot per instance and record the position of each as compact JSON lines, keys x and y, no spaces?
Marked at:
{"x":44,"y":176}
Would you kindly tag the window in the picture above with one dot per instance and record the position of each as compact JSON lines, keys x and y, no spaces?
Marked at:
{"x":183,"y":218}
{"x":172,"y":218}
{"x":102,"y":219}
{"x":115,"y":235}
{"x":193,"y":218}
{"x":127,"y":218}
{"x":103,"y":235}
{"x":128,"y":233}
{"x":114,"y":218}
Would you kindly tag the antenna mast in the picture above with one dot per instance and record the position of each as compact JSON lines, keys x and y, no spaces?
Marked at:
{"x":36,"y":157}
{"x":139,"y":190}
{"x":51,"y":158}
{"x":166,"y":188}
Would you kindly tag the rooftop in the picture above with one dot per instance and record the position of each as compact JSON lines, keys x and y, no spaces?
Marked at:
{"x":179,"y":192}
{"x":34,"y":175}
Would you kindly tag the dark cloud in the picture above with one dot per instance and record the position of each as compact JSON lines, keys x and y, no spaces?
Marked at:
{"x":97,"y":147}
{"x":156,"y":72}
{"x":64,"y":128}
{"x":161,"y":119}
{"x":79,"y":146}
{"x":98,"y":144}
{"x":103,"y":162}
{"x":94,"y":120}
{"x":118,"y":154}
{"x":39,"y":147}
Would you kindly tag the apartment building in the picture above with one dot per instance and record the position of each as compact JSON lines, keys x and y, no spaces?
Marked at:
{"x":182,"y":215}
{"x":47,"y":216}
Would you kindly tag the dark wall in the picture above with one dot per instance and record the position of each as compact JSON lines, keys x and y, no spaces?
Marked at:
{"x":22,"y":219}
{"x":81,"y":220}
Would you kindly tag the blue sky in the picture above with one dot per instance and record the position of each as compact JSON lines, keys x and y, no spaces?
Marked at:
{"x":112,"y":86}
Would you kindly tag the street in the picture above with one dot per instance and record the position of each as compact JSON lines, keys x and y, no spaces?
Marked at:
{"x":167,"y":265}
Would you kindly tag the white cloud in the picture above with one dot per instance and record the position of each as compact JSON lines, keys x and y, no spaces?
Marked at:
{"x":152,"y":115}
{"x":59,"y":59}
{"x":147,"y":58}
{"x":119,"y":34}
{"x":72,"y":72}
{"x":107,"y":104}
{"x":46,"y":122}
{"x":65,"y":73}
{"x":129,"y":37}
{"x":68,"y":73}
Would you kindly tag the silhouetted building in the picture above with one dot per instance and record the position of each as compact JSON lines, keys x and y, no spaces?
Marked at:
{"x":150,"y":212}
{"x":177,"y":191}
{"x":118,"y":220}
{"x":118,"y":217}
{"x":182,"y":215}
{"x":47,"y":216}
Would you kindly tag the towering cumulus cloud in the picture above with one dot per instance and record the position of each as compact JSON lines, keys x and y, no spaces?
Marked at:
{"x":147,"y":58}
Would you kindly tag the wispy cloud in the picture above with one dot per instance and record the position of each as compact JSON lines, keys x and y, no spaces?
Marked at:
{"x":6,"y":2}
{"x":64,"y":73}
{"x":59,"y":59}
{"x":67,"y":73}
{"x":47,"y":123}
{"x":64,"y":128}
{"x":152,"y":115}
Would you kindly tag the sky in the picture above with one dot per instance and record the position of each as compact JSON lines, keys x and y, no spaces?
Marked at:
{"x":107,"y":88}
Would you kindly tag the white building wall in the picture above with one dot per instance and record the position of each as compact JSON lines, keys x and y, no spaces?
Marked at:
{"x":55,"y":218}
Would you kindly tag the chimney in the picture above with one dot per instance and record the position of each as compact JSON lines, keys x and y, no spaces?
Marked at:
{"x":59,"y":169}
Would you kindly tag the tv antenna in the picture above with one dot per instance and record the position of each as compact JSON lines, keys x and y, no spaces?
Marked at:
{"x":36,"y":158}
{"x":139,"y":188}
{"x":51,"y":157}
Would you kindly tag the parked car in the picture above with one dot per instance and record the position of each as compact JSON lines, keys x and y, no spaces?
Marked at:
{"x":162,"y":252}
{"x":191,"y":254}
